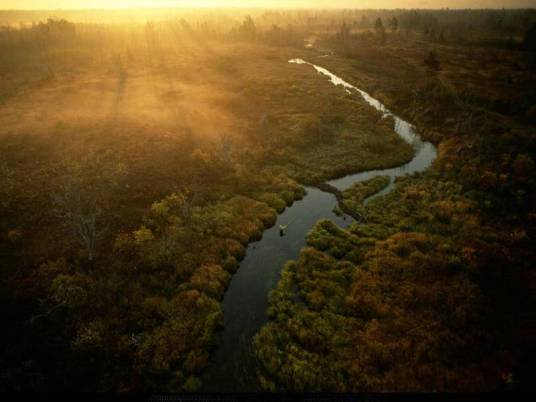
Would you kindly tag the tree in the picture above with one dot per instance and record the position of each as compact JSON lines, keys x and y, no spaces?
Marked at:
{"x":378,"y":25}
{"x":79,"y":211}
{"x":57,"y":30}
{"x":275,"y":35}
{"x":380,"y":30}
{"x":344,"y":32}
{"x":394,"y":24}
{"x":432,"y":60}
{"x":82,"y":198}
{"x":248,"y":30}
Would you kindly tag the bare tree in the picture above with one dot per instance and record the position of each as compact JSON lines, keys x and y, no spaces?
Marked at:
{"x":80,"y":213}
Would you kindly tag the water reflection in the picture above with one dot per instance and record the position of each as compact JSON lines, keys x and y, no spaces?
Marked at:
{"x":246,"y":300}
{"x":232,"y":366}
{"x":425,"y":152}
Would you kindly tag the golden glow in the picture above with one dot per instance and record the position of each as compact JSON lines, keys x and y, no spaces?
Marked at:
{"x":122,"y":4}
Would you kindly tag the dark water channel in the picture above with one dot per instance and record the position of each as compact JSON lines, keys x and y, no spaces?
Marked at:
{"x":232,"y":367}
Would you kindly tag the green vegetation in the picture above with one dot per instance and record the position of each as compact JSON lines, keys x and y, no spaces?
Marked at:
{"x":138,"y":160}
{"x":353,"y":197}
{"x":132,"y":179}
{"x":393,"y":304}
{"x":432,"y":291}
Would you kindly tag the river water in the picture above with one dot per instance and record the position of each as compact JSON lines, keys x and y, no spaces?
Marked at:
{"x":232,"y":367}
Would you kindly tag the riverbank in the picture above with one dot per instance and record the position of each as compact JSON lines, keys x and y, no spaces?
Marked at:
{"x":425,"y":295}
{"x":178,"y":166}
{"x":142,"y":162}
{"x":233,"y":367}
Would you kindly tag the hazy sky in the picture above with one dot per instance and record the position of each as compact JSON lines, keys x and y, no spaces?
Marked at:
{"x":84,"y":4}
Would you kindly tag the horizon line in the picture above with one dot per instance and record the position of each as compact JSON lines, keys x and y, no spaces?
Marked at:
{"x":264,"y":8}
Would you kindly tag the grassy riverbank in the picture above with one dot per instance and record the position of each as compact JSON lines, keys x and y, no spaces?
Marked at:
{"x":132,"y":179}
{"x":429,"y":292}
{"x":140,"y":157}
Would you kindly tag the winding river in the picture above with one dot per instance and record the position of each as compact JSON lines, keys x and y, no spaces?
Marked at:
{"x":232,"y":367}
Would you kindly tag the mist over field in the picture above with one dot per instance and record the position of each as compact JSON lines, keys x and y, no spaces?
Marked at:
{"x":267,"y":196}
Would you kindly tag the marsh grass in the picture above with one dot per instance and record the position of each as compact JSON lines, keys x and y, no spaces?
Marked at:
{"x":412,"y":309}
{"x":185,"y":157}
{"x":186,"y":142}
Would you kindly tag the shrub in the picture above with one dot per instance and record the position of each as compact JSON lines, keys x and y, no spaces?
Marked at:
{"x":432,"y":61}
